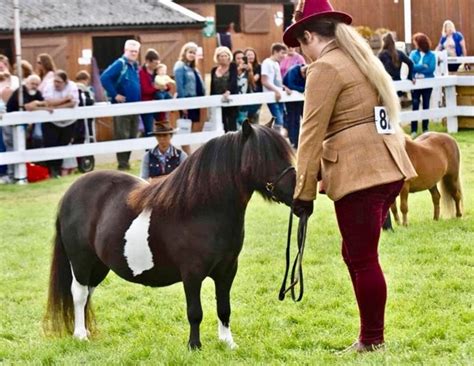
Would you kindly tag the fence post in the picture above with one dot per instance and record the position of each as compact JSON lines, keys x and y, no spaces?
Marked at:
{"x":451,"y":104}
{"x":217,"y":115}
{"x":443,"y":61}
{"x":19,"y":144}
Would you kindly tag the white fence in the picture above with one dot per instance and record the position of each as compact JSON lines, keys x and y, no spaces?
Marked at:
{"x":20,"y":156}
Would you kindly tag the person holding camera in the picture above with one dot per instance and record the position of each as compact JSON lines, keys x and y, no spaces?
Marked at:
{"x":246,"y":84}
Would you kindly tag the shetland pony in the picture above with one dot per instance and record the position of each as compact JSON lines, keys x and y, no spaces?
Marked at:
{"x":182,"y":228}
{"x":436,"y":158}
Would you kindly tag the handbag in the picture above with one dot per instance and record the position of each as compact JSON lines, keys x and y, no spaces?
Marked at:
{"x":184,"y":125}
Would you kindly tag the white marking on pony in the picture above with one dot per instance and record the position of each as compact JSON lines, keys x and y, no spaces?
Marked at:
{"x":225,"y":335}
{"x":79,"y":296}
{"x":137,"y":251}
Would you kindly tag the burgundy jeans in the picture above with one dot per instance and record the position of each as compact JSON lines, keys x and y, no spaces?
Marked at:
{"x":360,"y":216}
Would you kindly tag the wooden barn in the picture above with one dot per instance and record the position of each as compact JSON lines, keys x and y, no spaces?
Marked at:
{"x":427,"y":16}
{"x":64,"y":29}
{"x":257,"y":24}
{"x":260,"y":23}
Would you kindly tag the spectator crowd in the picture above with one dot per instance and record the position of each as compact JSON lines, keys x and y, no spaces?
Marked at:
{"x":239,"y":72}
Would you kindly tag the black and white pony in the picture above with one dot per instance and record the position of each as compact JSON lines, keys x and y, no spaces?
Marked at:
{"x":184,"y":227}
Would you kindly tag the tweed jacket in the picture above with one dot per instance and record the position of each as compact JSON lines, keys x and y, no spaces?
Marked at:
{"x":339,"y":141}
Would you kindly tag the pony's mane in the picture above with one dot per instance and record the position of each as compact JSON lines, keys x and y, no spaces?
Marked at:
{"x":216,"y":173}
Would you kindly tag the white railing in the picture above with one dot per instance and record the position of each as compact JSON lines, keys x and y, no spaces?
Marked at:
{"x":20,"y":156}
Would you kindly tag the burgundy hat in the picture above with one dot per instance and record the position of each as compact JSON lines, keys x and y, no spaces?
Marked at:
{"x":310,"y":10}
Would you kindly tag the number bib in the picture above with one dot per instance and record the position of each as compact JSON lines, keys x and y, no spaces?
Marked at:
{"x":382,"y":122}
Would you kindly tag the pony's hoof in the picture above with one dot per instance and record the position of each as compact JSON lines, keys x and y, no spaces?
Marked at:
{"x":233,"y":345}
{"x":194,"y":346}
{"x":81,"y":335}
{"x":229,"y":342}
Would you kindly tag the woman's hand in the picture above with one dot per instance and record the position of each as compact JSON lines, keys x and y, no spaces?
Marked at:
{"x":277,"y":96}
{"x":225,"y":96}
{"x":243,"y":67}
{"x":301,"y":207}
{"x":303,"y":71}
{"x":120,"y":98}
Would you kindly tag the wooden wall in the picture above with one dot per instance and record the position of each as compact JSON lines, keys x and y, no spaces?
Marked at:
{"x":430,"y":16}
{"x":66,"y":48}
{"x":427,"y":16}
{"x":260,"y":41}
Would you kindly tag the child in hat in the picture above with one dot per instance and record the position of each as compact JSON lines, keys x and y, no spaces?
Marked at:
{"x":164,"y":157}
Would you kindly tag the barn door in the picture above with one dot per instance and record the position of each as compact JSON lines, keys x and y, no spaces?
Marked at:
{"x":256,"y":18}
{"x":167,"y":44}
{"x":54,"y":46}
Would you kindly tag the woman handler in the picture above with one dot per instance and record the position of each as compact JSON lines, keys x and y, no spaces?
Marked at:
{"x":353,"y":145}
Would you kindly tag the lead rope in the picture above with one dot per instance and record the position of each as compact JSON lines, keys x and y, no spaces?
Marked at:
{"x":297,"y":269}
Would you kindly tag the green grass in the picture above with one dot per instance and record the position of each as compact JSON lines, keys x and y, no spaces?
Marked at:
{"x":428,"y":267}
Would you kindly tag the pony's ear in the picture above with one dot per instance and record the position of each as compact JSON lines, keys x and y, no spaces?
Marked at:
{"x":270,"y":123}
{"x":247,"y":129}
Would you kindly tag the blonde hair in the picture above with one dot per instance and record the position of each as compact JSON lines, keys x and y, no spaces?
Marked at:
{"x":352,"y":43}
{"x":162,"y":66}
{"x":4,"y":60}
{"x":220,"y":50}
{"x":448,"y":23}
{"x":184,"y":50}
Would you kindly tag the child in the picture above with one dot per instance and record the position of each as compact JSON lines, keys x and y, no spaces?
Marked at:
{"x":163,"y":83}
{"x":164,"y":157}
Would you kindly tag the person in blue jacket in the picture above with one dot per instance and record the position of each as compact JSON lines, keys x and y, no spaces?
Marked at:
{"x":295,"y":79}
{"x":424,"y":65}
{"x":453,"y":42}
{"x":189,"y":83}
{"x":122,"y":84}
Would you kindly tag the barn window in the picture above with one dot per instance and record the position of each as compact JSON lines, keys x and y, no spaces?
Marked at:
{"x":6,"y":48}
{"x":227,"y":14}
{"x":107,"y":49}
{"x":288,"y":10}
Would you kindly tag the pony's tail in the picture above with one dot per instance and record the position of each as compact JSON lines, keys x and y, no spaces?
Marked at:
{"x":452,"y":185}
{"x":59,"y":317}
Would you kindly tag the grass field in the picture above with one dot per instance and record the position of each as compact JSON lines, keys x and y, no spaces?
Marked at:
{"x":429,"y":268}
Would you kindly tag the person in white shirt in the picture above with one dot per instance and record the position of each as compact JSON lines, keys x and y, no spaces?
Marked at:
{"x":60,"y":93}
{"x":8,"y":82}
{"x":272,"y":82}
{"x":46,"y":68}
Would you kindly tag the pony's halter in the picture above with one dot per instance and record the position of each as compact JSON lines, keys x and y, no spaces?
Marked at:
{"x":270,"y":186}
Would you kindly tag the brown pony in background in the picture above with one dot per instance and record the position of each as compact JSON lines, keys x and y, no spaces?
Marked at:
{"x":436,"y":158}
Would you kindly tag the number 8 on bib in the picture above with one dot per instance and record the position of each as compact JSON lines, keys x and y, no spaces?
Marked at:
{"x":382,"y":122}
